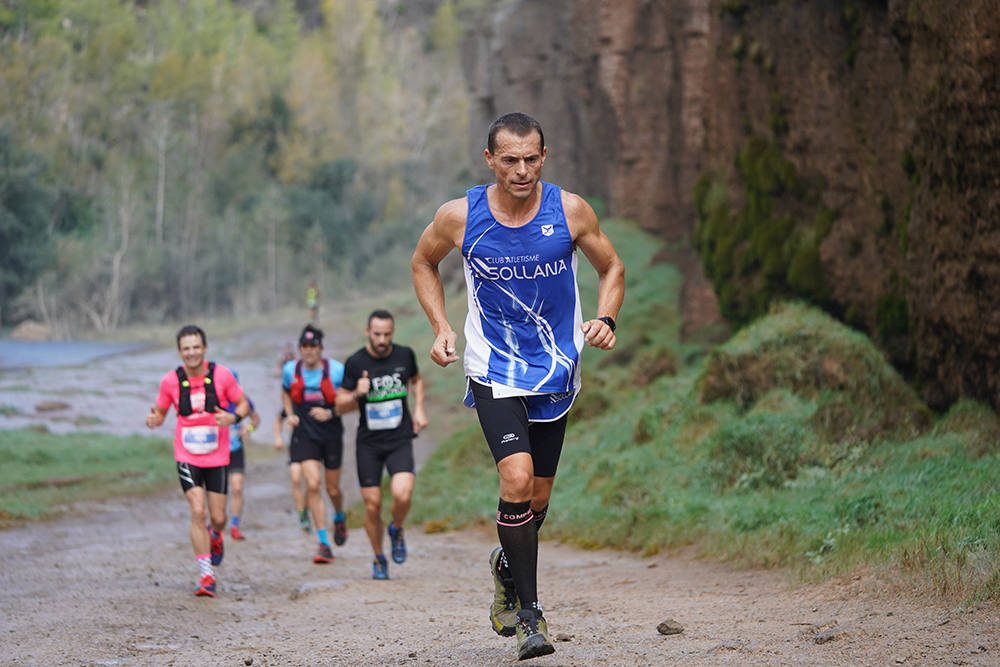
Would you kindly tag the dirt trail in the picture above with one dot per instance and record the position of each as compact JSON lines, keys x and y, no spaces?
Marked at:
{"x":111,"y":583}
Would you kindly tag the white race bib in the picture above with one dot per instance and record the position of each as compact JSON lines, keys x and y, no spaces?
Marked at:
{"x":200,"y":439}
{"x":384,"y":415}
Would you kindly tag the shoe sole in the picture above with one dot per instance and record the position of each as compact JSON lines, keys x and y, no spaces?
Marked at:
{"x":202,"y":592}
{"x":322,"y":559}
{"x":535,"y":647}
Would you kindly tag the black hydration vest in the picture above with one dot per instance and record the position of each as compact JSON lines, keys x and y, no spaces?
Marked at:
{"x":184,"y":400}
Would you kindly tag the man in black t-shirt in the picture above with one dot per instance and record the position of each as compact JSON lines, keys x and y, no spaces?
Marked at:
{"x":378,"y":380}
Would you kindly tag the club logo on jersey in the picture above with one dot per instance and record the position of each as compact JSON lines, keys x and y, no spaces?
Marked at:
{"x":547,"y":230}
{"x":516,"y":268}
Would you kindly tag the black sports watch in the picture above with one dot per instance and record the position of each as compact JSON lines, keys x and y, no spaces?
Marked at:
{"x":609,"y":321}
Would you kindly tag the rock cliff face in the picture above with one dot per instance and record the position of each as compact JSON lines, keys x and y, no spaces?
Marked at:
{"x":890,"y":109}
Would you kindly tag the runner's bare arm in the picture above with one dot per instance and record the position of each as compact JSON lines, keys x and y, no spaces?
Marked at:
{"x":286,"y":403}
{"x":347,"y":400}
{"x":441,"y":236}
{"x":226,"y":418}
{"x":279,"y":442}
{"x":419,"y":415}
{"x":601,"y":254}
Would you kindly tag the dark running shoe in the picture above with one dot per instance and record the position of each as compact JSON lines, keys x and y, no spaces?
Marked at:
{"x":339,"y":533}
{"x":398,"y":543}
{"x":206,"y":586}
{"x":532,"y":635}
{"x":324,"y":554}
{"x":503,"y":611}
{"x":380,"y":568}
{"x":215,"y":549}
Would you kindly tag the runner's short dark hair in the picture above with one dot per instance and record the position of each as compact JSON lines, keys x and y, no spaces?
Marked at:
{"x":191,"y":330}
{"x":519,"y":123}
{"x":381,"y":314}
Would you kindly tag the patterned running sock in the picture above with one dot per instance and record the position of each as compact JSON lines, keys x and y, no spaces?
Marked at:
{"x":205,"y":565}
{"x":321,"y":534}
{"x":213,"y":533}
{"x":234,"y":521}
{"x":519,"y":539}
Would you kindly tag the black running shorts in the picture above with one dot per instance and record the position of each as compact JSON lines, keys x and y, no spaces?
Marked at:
{"x":507,"y":430}
{"x":215,"y":480}
{"x":394,"y":456}
{"x":304,"y":448}
{"x":237,"y":461}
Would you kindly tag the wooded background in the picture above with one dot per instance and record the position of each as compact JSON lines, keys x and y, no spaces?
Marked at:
{"x":174,"y":159}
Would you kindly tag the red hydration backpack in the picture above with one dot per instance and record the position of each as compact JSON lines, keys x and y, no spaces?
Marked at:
{"x":299,"y":384}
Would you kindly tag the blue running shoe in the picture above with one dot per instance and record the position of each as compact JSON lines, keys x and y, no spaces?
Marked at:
{"x":380,"y":568}
{"x":398,"y":543}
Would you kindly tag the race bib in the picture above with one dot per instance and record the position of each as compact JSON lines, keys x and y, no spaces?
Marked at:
{"x":200,"y":439}
{"x":384,"y":415}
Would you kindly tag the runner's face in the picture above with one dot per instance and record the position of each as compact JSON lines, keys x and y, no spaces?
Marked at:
{"x":517,"y":162}
{"x":311,"y":354}
{"x":380,"y":337}
{"x":192,"y":352}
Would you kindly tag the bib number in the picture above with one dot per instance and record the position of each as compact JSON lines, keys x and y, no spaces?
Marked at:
{"x":384,"y":415}
{"x":200,"y":439}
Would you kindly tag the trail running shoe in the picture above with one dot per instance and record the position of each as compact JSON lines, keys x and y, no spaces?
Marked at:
{"x":206,"y":586}
{"x":380,"y":568}
{"x":532,"y":635}
{"x":236,"y":534}
{"x":339,"y":532}
{"x":398,"y":543}
{"x":323,"y":554}
{"x":503,"y":611}
{"x":304,"y":521}
{"x":216,"y":549}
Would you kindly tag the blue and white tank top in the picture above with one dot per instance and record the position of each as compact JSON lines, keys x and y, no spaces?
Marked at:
{"x":523,"y":327}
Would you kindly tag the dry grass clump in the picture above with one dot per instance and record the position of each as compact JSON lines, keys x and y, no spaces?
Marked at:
{"x":858,"y":394}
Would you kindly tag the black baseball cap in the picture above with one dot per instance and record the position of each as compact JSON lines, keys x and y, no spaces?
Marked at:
{"x":311,"y":336}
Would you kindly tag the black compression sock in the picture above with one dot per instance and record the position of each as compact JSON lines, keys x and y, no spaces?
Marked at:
{"x":540,"y":516}
{"x":519,"y":539}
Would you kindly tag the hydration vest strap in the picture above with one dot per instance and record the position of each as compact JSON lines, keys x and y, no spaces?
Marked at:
{"x":184,"y":385}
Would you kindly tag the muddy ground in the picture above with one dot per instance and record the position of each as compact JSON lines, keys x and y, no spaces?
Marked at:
{"x":111,"y":583}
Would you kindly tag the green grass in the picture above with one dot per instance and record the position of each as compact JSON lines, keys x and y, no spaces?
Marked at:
{"x":40,"y":472}
{"x":794,"y":444}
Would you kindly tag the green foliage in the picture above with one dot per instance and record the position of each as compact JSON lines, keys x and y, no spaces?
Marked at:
{"x":25,"y":209}
{"x":39,"y":472}
{"x":768,"y":248}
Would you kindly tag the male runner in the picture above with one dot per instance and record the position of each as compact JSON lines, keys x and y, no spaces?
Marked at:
{"x":308,"y":394}
{"x":239,"y":434}
{"x":524,"y":333}
{"x":200,"y":393}
{"x":378,"y":379}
